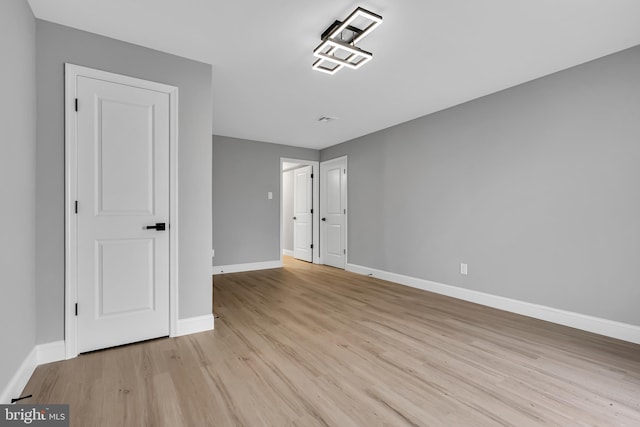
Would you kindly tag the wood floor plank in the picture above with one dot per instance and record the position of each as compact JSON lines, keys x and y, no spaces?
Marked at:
{"x":309,"y":345}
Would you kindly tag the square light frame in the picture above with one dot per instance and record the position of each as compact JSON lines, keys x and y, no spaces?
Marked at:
{"x":358,"y":13}
{"x":356,"y":58}
{"x":318,"y":66}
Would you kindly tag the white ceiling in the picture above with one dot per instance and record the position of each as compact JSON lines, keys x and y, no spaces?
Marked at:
{"x":428,"y":54}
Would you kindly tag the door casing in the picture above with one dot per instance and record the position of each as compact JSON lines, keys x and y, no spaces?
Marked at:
{"x":72,"y":72}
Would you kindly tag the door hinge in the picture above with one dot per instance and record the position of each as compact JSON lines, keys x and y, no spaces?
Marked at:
{"x":311,"y":176}
{"x":345,"y":251}
{"x":312,"y":246}
{"x":345,"y":211}
{"x":76,"y":309}
{"x":311,"y":210}
{"x":76,"y":104}
{"x":76,"y":206}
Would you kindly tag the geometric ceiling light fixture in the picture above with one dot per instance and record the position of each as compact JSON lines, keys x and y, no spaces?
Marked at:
{"x":338,"y":47}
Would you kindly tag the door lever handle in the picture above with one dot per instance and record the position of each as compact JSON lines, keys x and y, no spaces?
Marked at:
{"x":324,"y":219}
{"x":160,"y":226}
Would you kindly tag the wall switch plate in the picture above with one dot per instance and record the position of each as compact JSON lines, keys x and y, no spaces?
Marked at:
{"x":463,"y":269}
{"x":270,"y":195}
{"x":213,"y":252}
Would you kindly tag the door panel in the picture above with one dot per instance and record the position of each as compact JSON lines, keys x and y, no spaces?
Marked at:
{"x":334,"y":237}
{"x":303,"y":218}
{"x":123,"y":186}
{"x":125,"y":183}
{"x":333,"y":175}
{"x":334,"y":193}
{"x":125,"y":267}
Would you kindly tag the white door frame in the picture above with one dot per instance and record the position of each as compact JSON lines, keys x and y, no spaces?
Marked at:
{"x":72,"y":72}
{"x":346,"y":205}
{"x":316,"y":206}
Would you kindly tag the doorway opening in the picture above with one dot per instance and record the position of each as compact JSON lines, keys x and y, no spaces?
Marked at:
{"x":299,"y":209}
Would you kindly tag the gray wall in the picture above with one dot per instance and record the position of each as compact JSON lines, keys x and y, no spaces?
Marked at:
{"x":55,"y":46}
{"x":246,"y":225}
{"x":17,"y":186}
{"x":287,"y":210}
{"x":537,"y":188}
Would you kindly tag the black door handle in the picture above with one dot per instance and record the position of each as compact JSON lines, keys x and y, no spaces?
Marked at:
{"x":294,"y":218}
{"x":160,"y":226}
{"x":324,"y":219}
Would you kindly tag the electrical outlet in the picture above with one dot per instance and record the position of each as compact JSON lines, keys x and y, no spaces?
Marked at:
{"x":270,"y":195}
{"x":463,"y":269}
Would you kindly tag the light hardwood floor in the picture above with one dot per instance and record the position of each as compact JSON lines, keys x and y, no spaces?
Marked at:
{"x":314,"y":346}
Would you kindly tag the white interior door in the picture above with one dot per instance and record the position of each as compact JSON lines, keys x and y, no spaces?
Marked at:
{"x":333,"y":211}
{"x":122,"y":188}
{"x":302,"y":213}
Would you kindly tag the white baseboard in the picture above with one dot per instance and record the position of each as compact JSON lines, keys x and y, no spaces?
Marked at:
{"x":238,"y":268}
{"x":39,"y":355}
{"x":610,"y":328}
{"x":193,"y":325}
{"x":51,"y":352}
{"x":20,"y":378}
{"x":287,"y":252}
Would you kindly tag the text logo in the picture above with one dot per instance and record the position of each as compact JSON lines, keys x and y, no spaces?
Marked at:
{"x":34,"y":415}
